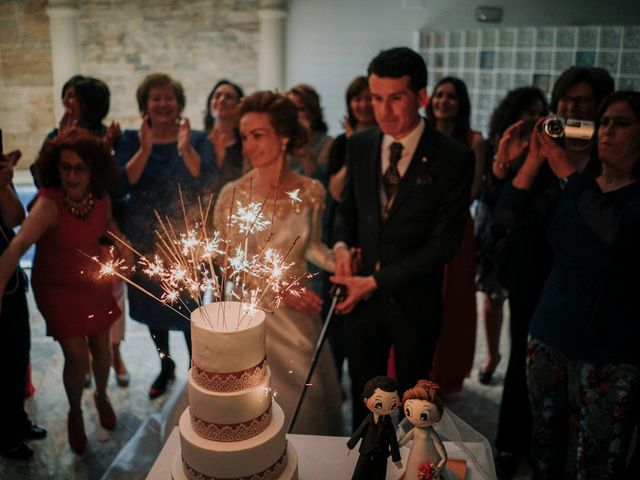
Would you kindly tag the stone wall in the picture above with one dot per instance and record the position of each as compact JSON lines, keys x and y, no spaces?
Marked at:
{"x":120,"y":41}
{"x":26,"y":104}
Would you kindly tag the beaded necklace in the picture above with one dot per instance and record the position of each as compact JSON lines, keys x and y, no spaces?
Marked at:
{"x":80,"y":208}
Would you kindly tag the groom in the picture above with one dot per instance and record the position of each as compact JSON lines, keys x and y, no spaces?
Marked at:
{"x":404,"y":206}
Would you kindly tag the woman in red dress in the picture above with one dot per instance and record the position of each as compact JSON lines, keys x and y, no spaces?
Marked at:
{"x":449,"y":111}
{"x":70,"y":214}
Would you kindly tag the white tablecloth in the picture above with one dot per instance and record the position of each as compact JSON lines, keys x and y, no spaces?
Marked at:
{"x":320,"y":458}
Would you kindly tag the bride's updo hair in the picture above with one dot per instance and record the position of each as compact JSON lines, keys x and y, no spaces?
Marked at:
{"x":425,"y":390}
{"x":283,"y":114}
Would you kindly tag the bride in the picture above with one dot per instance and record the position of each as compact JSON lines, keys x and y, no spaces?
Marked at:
{"x":270,"y":131}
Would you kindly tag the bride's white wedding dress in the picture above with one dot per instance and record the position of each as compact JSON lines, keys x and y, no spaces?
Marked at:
{"x":291,"y":335}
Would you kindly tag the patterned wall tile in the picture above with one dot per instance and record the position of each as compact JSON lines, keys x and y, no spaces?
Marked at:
{"x":489,"y":38}
{"x":486,"y":81}
{"x":470,"y":79}
{"x":566,"y":37}
{"x":522,"y":79}
{"x":493,"y":61}
{"x":608,"y":61}
{"x":586,"y":59}
{"x":545,"y":37}
{"x":471,"y":59}
{"x":504,"y":81}
{"x":543,"y":60}
{"x":563,"y":60}
{"x":455,"y":39}
{"x":453,"y":60}
{"x":629,"y":83}
{"x":630,"y":63}
{"x":487,"y":59}
{"x":632,"y":37}
{"x":505,"y":60}
{"x":525,"y":37}
{"x":542,"y":81}
{"x":610,"y":37}
{"x":507,"y":38}
{"x":523,"y":60}
{"x":471,"y":38}
{"x":588,"y":37}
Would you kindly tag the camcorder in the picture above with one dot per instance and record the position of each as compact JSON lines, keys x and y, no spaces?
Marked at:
{"x":560,"y":128}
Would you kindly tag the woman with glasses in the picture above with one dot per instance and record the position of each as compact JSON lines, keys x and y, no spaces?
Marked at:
{"x":69,"y":216}
{"x":526,"y":213}
{"x":583,"y":358}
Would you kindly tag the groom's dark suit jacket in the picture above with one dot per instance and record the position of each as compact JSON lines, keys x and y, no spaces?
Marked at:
{"x":407,"y":252}
{"x":424,"y":228}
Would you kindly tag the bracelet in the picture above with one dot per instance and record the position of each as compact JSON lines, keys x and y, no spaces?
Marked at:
{"x":498,"y":163}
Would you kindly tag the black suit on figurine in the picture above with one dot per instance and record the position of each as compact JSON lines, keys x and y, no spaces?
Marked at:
{"x":378,"y":441}
{"x":405,"y":254}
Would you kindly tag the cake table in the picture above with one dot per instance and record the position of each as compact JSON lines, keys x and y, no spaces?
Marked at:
{"x":320,"y":458}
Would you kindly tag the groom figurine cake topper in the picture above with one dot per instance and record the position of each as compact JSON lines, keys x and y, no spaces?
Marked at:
{"x":380,"y":396}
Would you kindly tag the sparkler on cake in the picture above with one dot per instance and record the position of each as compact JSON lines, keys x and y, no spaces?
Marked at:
{"x":197,"y":261}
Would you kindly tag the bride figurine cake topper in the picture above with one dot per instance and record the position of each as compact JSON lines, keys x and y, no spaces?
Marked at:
{"x":423,"y":407}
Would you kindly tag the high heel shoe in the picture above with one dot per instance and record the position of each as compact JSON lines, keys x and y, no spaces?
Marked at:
{"x":122,"y":375}
{"x":167,"y":374}
{"x":485,"y":375}
{"x":123,"y":379}
{"x":75,"y":431}
{"x":107,"y":416}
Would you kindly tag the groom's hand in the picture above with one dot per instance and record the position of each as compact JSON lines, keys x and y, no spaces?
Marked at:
{"x":357,"y":289}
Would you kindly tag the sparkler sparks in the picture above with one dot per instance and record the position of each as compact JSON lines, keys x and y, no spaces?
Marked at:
{"x":197,"y":262}
{"x":294,"y":195}
{"x":250,"y":218}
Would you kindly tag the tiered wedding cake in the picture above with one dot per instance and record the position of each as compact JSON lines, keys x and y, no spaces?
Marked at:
{"x":232,"y":428}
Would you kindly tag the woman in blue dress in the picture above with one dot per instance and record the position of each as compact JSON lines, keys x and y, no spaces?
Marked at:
{"x":154,"y":160}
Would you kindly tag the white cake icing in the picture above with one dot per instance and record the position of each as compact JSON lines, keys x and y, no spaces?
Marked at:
{"x":226,"y":339}
{"x":232,"y":429}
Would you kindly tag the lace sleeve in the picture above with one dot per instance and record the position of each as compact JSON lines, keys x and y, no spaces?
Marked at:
{"x":317,"y":252}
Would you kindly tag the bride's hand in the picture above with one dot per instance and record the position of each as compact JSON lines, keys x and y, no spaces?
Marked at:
{"x":305,"y":302}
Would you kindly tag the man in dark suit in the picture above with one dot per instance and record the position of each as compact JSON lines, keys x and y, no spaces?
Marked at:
{"x":404,"y":206}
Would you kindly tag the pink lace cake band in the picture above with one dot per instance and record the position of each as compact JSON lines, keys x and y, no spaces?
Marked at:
{"x":231,"y":432}
{"x":229,"y":382}
{"x":271,"y":473}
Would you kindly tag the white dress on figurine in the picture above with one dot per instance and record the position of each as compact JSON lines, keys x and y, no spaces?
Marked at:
{"x":423,"y":407}
{"x":423,"y":451}
{"x":291,"y":335}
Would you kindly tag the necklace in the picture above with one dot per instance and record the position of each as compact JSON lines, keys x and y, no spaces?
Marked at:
{"x":80,"y":208}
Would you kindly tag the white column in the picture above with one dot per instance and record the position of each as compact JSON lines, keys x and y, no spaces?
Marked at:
{"x":271,"y":48}
{"x":63,"y":27}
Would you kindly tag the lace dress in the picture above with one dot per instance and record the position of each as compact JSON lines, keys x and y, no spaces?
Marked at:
{"x":291,"y":335}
